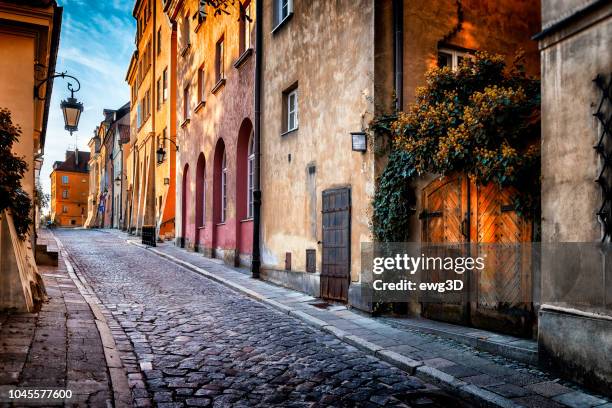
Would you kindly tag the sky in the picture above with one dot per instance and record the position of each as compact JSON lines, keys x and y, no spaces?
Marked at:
{"x":96,"y":44}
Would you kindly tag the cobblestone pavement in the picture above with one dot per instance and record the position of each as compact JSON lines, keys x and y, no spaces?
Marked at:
{"x":199,"y":343}
{"x":56,"y":348}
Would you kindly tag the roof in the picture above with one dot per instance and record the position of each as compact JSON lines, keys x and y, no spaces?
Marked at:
{"x":70,"y":164}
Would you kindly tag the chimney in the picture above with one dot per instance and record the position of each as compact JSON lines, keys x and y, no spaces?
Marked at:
{"x":76,"y":156}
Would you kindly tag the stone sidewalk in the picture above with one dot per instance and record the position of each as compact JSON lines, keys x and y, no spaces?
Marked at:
{"x":488,"y":378}
{"x":57,"y":348}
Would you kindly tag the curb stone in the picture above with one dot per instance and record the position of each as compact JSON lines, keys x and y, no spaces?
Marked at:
{"x":122,"y":395}
{"x":446,"y":381}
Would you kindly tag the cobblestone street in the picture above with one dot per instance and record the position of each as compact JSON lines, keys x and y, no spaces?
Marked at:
{"x":199,"y":343}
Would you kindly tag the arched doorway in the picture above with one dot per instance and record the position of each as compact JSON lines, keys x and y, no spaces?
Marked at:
{"x":244,"y":189}
{"x":184,"y":206}
{"x":219,"y":195}
{"x":200,"y":202}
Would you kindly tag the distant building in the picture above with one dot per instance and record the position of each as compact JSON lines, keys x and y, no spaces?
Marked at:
{"x":107,"y":170}
{"x":69,"y":188}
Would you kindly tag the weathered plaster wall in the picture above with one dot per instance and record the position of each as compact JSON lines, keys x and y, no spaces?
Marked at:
{"x":570,"y":197}
{"x":16,"y":84}
{"x":327,"y":49}
{"x":216,"y":122}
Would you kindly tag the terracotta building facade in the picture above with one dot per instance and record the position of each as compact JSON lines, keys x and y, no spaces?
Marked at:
{"x":214,"y":78}
{"x":70,"y":190}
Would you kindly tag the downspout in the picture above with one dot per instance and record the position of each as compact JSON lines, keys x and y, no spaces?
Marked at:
{"x":398,"y":53}
{"x":256,"y":256}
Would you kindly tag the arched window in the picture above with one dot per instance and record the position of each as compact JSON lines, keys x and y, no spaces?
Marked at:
{"x":250,"y":163}
{"x":223,"y":187}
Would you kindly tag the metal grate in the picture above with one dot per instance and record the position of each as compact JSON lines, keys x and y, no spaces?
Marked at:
{"x":604,"y":149}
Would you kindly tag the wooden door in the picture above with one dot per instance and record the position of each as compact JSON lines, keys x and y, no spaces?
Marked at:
{"x":501,"y":297}
{"x":458,"y":210}
{"x":444,"y":221}
{"x":335,"y":271}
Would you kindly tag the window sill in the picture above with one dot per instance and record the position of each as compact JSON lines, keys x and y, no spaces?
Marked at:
{"x":202,"y":227}
{"x":185,"y":50}
{"x":185,"y":122}
{"x":244,"y":57}
{"x":247,"y":220}
{"x":200,"y":106}
{"x":282,"y":23}
{"x":288,"y":132}
{"x":219,"y":224}
{"x":220,"y":83}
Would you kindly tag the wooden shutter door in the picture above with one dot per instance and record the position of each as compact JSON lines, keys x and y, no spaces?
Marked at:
{"x":444,"y":220}
{"x":335,"y":271}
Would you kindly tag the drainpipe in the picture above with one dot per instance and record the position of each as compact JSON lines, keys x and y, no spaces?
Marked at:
{"x":398,"y":54}
{"x":256,"y":256}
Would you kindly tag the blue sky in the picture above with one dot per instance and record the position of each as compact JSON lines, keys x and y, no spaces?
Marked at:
{"x":96,"y":43}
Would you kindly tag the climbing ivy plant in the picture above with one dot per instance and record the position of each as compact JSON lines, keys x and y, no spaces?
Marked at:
{"x":482,"y":119}
{"x":12,"y":170}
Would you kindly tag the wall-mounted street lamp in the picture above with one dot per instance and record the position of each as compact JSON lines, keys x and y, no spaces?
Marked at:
{"x":161,"y":153}
{"x":71,"y":107}
{"x":359,"y":141}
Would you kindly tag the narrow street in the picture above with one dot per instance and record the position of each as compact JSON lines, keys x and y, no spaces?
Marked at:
{"x":199,"y":343}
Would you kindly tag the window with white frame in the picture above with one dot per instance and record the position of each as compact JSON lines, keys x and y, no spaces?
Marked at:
{"x":451,"y":58}
{"x":64,"y":179}
{"x":165,"y":83}
{"x":282,"y":10}
{"x":219,"y":59}
{"x":223,"y":187}
{"x":65,"y":194}
{"x":291,"y":103}
{"x":250,"y":164}
{"x":64,"y":209}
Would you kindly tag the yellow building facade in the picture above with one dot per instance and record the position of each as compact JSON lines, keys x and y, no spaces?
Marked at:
{"x":151,"y":182}
{"x":29,"y":40}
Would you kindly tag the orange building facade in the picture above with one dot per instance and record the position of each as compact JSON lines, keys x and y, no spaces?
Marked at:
{"x":69,"y":190}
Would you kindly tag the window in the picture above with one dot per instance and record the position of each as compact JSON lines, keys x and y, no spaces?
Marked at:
{"x":159,"y":40}
{"x":223,"y":188}
{"x":219,"y":59}
{"x":250,"y":163}
{"x":185,"y":32}
{"x":64,"y":209}
{"x":165,"y":139}
{"x":202,"y":12}
{"x":201,"y":85}
{"x":282,"y":10}
{"x":65,"y":194}
{"x":139,"y":115}
{"x":165,"y":84}
{"x":83,"y":180}
{"x":451,"y":58}
{"x":186,"y":103}
{"x":158,"y":93}
{"x":245,"y":26}
{"x":291,"y":109}
{"x":64,"y":179}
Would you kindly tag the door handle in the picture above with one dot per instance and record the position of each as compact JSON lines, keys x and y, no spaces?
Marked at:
{"x":464,"y":228}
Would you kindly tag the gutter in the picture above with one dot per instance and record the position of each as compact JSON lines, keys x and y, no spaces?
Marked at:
{"x":398,"y":53}
{"x":256,"y":255}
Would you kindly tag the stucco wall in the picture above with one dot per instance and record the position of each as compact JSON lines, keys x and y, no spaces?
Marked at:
{"x":16,"y":84}
{"x":570,"y":165}
{"x":327,"y":49}
{"x":218,"y":122}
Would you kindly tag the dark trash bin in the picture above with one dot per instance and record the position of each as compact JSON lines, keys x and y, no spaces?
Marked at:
{"x":148,"y":235}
